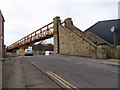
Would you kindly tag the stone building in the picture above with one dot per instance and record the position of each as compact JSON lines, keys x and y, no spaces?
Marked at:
{"x":2,"y":46}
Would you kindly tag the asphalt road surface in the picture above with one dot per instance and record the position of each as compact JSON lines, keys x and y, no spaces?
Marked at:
{"x":77,"y":72}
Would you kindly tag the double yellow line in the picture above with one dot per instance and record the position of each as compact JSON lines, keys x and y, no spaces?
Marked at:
{"x":62,"y":81}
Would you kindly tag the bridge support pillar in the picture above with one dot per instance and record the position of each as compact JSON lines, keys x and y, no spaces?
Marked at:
{"x":56,"y":21}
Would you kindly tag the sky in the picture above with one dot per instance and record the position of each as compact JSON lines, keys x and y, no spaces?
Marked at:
{"x":119,"y":9}
{"x":22,"y":17}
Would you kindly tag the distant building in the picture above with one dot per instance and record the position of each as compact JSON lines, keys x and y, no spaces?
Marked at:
{"x":103,"y":30}
{"x":2,"y":46}
{"x":42,"y":47}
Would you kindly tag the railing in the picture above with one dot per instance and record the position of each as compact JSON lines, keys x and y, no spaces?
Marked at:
{"x":40,"y":33}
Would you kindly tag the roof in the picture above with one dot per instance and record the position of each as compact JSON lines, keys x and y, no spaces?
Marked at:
{"x":2,"y":15}
{"x":101,"y":22}
{"x":103,"y":30}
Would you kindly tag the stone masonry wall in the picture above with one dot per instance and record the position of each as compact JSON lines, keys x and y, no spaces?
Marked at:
{"x":111,"y":50}
{"x":95,"y":39}
{"x":117,"y":52}
{"x":69,"y":40}
{"x":72,"y":44}
{"x":88,"y":35}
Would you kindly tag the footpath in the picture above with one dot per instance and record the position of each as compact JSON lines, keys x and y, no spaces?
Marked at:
{"x":19,"y":73}
{"x":114,"y":62}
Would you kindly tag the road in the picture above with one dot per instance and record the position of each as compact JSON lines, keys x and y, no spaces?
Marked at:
{"x":78,"y":72}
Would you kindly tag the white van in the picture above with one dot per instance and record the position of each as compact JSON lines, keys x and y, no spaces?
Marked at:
{"x":28,"y":52}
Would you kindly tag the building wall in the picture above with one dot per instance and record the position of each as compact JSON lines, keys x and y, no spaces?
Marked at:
{"x":2,"y":47}
{"x":0,"y":36}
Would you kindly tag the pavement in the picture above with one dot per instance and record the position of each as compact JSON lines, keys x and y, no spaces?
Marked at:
{"x":78,"y":72}
{"x":115,"y":62}
{"x":20,"y":73}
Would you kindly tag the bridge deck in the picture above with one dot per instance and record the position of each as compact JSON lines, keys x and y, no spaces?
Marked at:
{"x":41,"y":34}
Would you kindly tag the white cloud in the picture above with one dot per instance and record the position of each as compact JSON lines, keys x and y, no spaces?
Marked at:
{"x":86,"y":14}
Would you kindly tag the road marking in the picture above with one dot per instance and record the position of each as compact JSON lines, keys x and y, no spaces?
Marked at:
{"x":59,"y":80}
{"x":62,"y":80}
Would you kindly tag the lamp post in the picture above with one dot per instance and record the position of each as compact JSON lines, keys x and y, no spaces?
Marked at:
{"x":113,"y":31}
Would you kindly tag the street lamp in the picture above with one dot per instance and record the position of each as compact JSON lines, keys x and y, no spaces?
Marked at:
{"x":113,"y":31}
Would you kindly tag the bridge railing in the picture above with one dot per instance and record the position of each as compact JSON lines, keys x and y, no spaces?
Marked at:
{"x":40,"y":33}
{"x":36,"y":35}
